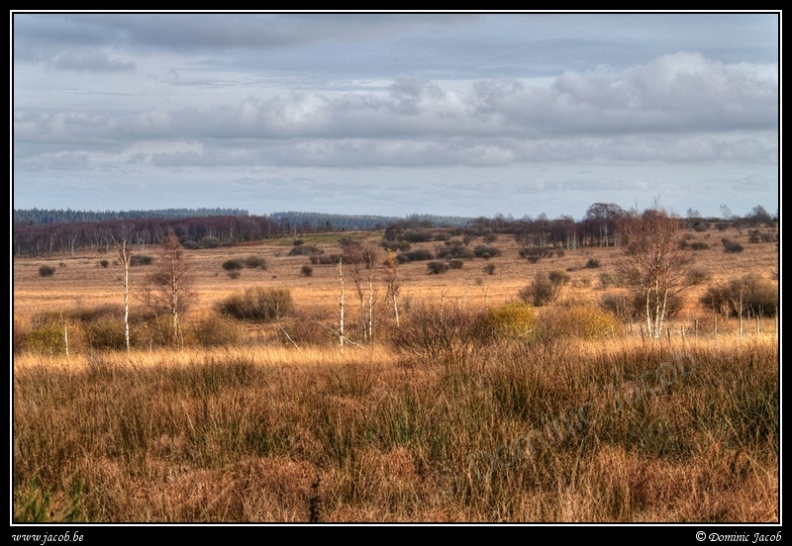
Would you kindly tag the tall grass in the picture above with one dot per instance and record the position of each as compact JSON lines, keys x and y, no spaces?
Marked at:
{"x":514,"y":431}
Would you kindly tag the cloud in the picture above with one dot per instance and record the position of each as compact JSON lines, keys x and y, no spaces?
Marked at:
{"x":88,"y":61}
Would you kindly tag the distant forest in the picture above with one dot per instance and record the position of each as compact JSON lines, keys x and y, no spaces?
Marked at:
{"x":38,"y":232}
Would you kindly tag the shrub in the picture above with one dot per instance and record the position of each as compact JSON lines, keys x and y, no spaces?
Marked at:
{"x":489,"y":269}
{"x":731,"y":247}
{"x":759,"y":297}
{"x":619,"y":305}
{"x":433,"y":334}
{"x":45,"y":337}
{"x":534,"y":254}
{"x":510,"y":321}
{"x":254,"y":262}
{"x":558,"y":278}
{"x":326,"y":259}
{"x":215,"y":331}
{"x":417,"y":236}
{"x":414,"y":256}
{"x":608,"y":279}
{"x":233,"y":265}
{"x":583,"y":322}
{"x":486,"y":252}
{"x":543,"y":290}
{"x":306,"y":271}
{"x":435,"y":268}
{"x":190,"y":245}
{"x":257,"y":304}
{"x":699,"y":245}
{"x":104,"y":264}
{"x":698,"y":276}
{"x":140,"y":259}
{"x":592,"y":263}
{"x":46,"y":271}
{"x":457,"y":263}
{"x":304,"y":329}
{"x":234,"y":274}
{"x":305,"y":250}
{"x":490,"y":238}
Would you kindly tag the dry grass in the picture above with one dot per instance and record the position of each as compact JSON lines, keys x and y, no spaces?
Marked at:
{"x":616,"y":428}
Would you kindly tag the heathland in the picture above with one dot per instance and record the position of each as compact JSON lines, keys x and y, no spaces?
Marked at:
{"x":471,"y":378}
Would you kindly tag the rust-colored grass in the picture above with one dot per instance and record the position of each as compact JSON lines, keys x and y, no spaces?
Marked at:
{"x":615,"y":428}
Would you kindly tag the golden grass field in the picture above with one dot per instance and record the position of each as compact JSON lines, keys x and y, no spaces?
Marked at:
{"x":614,"y":427}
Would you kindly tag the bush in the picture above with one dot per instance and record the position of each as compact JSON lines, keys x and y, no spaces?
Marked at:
{"x":581,"y":322}
{"x":104,"y":264}
{"x":608,"y":279}
{"x":510,"y":321}
{"x":417,"y":236}
{"x":699,"y":245}
{"x":489,"y":269}
{"x":486,"y":252}
{"x":433,"y":334}
{"x":306,"y":271}
{"x":558,"y":278}
{"x":46,"y":271}
{"x":140,"y":259}
{"x":233,"y":265}
{"x":254,"y":262}
{"x":305,"y":250}
{"x":534,"y":254}
{"x":257,"y":304}
{"x":45,"y":337}
{"x":234,"y":274}
{"x":326,"y":259}
{"x":190,"y":245}
{"x":759,"y":297}
{"x":457,"y":263}
{"x":215,"y":331}
{"x":543,"y":290}
{"x":619,"y":305}
{"x":592,"y":263}
{"x":414,"y":256}
{"x":435,"y":268}
{"x":305,"y":330}
{"x":731,"y":247}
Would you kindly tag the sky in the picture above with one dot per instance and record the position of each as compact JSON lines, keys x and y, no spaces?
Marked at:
{"x":464,"y":114}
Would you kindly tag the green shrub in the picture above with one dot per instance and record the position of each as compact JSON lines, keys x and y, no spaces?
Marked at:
{"x":45,"y":337}
{"x":583,"y":322}
{"x":46,"y":271}
{"x":254,"y":262}
{"x":257,"y":304}
{"x":435,"y":268}
{"x":510,"y":321}
{"x":233,"y":265}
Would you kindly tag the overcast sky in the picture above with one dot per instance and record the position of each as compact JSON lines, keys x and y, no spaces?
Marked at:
{"x":453,"y":114}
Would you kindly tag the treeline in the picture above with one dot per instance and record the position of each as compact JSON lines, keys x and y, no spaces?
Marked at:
{"x":59,"y":216}
{"x":599,"y":227}
{"x":315,"y":221}
{"x":211,"y":231}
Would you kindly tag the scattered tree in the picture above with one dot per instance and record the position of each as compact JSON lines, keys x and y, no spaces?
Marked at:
{"x":653,"y":264}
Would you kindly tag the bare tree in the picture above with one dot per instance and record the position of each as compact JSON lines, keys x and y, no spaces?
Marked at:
{"x":173,"y":284}
{"x":125,"y":257}
{"x":393,"y":281}
{"x":654,"y":264}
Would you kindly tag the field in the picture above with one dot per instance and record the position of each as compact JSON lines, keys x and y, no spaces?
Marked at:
{"x":473,"y":408}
